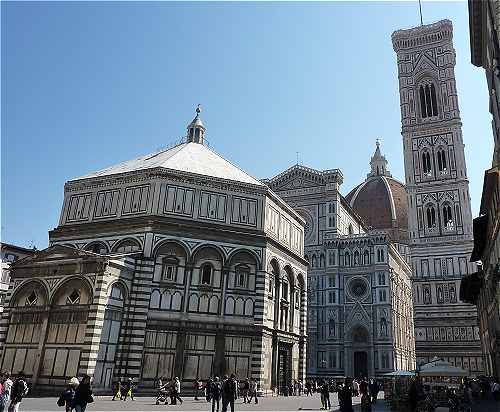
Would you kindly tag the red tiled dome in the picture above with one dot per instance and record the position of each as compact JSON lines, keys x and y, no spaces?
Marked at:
{"x":382,"y":203}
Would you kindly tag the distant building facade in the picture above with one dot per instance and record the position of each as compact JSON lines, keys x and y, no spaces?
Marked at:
{"x":439,"y":213}
{"x":483,"y":287}
{"x":360,"y":318}
{"x":174,"y":264}
{"x":9,"y":254}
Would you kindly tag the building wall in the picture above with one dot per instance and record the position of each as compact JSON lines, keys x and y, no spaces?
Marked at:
{"x":439,"y":216}
{"x":484,"y":20}
{"x":335,"y":246}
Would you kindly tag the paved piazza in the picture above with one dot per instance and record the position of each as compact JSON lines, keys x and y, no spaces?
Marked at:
{"x":292,"y":403}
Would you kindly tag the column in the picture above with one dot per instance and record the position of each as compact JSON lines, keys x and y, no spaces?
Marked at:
{"x":220,"y":348}
{"x":179,"y":354}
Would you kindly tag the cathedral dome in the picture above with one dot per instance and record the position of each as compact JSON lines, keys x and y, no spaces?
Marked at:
{"x":381,"y":200}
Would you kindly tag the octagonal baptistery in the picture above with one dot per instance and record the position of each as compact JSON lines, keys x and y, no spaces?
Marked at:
{"x":177,"y":263}
{"x":381,"y":201}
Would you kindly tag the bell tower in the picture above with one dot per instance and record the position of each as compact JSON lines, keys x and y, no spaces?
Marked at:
{"x":439,"y":213}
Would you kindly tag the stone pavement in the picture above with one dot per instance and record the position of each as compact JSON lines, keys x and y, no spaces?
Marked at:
{"x":291,"y":403}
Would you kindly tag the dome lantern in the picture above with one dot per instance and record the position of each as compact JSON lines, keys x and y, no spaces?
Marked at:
{"x":379,"y":164}
{"x":196,"y":129}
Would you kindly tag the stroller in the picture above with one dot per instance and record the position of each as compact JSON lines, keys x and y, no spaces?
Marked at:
{"x":163,"y":394}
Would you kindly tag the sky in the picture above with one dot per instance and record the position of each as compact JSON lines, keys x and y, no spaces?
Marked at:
{"x":88,"y":85}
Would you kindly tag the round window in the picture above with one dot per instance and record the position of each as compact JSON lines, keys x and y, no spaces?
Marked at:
{"x":358,"y":287}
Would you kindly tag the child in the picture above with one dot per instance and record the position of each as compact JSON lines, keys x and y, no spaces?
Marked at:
{"x":68,"y":396}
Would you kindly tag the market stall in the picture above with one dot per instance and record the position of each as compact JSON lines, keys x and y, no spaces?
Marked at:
{"x":396,"y":387}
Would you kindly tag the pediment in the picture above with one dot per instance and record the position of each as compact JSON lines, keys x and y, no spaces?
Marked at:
{"x":297,"y":177}
{"x":424,"y":62}
{"x":54,"y":253}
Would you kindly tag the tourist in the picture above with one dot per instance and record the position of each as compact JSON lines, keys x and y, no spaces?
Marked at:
{"x":215,"y":390}
{"x":197,"y":385}
{"x":207,"y":387}
{"x":6,"y":388}
{"x":128,"y":389}
{"x":325,"y":395}
{"x":309,"y":388}
{"x":374,"y":390}
{"x":252,"y":391}
{"x":345,"y":396}
{"x":229,"y":393}
{"x":118,"y":390}
{"x":67,"y":397}
{"x":495,"y":390}
{"x":18,"y":392}
{"x":355,"y":388}
{"x":366,"y":402}
{"x":245,"y":387}
{"x":83,"y":394}
{"x":175,"y":395}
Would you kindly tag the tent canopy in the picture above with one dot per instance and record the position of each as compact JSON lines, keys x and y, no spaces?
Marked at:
{"x":400,"y":373}
{"x":441,"y":368}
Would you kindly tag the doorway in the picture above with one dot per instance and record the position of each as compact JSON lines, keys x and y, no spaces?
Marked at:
{"x":360,"y":364}
{"x":283,"y":369}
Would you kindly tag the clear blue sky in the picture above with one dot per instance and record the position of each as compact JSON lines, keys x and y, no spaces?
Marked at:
{"x":88,"y":85}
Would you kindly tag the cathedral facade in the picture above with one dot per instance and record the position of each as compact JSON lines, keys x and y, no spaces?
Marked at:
{"x":360,"y":319}
{"x":439,"y":212}
{"x":173,"y":264}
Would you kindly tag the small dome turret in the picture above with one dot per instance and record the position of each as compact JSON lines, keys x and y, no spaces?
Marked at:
{"x":196,"y":129}
{"x":378,"y":164}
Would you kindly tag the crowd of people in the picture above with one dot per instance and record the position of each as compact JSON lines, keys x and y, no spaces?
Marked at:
{"x":12,"y":392}
{"x":457,"y":398}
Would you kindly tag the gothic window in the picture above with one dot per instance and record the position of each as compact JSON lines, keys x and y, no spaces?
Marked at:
{"x":206,"y":275}
{"x":381,"y":278}
{"x":356,"y":257}
{"x":322,"y":260}
{"x":366,"y":258}
{"x":426,"y":163}
{"x":347,"y":259}
{"x":382,"y":295}
{"x":431,"y":217}
{"x":428,"y":100}
{"x":448,"y":217}
{"x":351,"y":230}
{"x":331,"y":208}
{"x":380,"y":255}
{"x":331,"y":258}
{"x":297,"y":299}
{"x":73,"y":298}
{"x":169,"y":268}
{"x":31,"y":299}
{"x":441,"y":157}
{"x":331,"y":281}
{"x":331,"y":297}
{"x":313,"y":261}
{"x":331,"y":327}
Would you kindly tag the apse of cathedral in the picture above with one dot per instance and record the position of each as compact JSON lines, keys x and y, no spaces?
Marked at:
{"x":173,"y":264}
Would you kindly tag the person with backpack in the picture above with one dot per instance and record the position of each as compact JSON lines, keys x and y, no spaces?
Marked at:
{"x":128,"y":390}
{"x":229,"y":392}
{"x":67,"y":397}
{"x":83,"y":394}
{"x":118,"y":388}
{"x":215,"y":391}
{"x":18,"y":392}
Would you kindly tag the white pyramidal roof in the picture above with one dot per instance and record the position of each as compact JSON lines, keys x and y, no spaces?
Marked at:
{"x":186,"y":157}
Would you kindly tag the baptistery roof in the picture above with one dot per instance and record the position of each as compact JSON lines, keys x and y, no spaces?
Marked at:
{"x":381,"y":200}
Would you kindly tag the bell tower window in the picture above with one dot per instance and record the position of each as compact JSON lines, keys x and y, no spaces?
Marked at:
{"x":448,"y":217}
{"x":431,"y":217}
{"x":426,"y":163}
{"x":441,"y":158}
{"x":428,"y":100}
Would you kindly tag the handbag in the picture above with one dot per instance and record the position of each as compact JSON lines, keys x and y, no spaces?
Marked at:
{"x":90,"y":398}
{"x":61,"y":401}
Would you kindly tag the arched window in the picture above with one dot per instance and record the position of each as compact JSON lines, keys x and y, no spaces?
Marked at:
{"x":431,"y":217}
{"x":242,"y":274}
{"x":441,"y":158}
{"x":428,"y":100}
{"x":331,"y":327}
{"x":380,"y":255}
{"x":366,"y":258}
{"x":448,"y":217}
{"x":347,"y":259}
{"x":206,"y":275}
{"x":356,"y":257}
{"x":426,"y":163}
{"x":97,"y":247}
